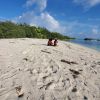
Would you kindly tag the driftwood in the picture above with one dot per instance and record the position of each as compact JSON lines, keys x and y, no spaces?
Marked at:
{"x":46,"y":51}
{"x":68,"y":62}
{"x":19,"y":91}
{"x":74,"y":72}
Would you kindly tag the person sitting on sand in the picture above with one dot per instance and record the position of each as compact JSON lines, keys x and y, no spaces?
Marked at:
{"x":55,"y":42}
{"x":50,"y":42}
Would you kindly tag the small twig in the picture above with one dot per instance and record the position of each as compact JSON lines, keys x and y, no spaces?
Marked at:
{"x":46,"y":51}
{"x":68,"y":62}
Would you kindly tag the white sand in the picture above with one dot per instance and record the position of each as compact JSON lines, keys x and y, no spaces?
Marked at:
{"x":65,"y":72}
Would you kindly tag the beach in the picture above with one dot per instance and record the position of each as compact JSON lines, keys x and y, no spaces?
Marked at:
{"x":31,"y":70}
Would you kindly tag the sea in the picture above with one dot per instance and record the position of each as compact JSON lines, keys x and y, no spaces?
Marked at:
{"x":88,"y":43}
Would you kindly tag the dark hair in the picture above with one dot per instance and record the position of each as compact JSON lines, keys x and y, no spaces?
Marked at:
{"x":55,"y":39}
{"x":50,"y":39}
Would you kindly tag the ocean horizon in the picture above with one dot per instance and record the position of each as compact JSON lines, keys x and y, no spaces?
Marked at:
{"x":93,"y":44}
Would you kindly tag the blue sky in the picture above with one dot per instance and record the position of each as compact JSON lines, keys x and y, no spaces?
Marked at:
{"x":76,"y":18}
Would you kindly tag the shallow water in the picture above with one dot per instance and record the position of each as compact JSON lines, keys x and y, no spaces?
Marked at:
{"x":91,"y":44}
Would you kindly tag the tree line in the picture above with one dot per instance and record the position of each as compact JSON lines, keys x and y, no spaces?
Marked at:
{"x":12,"y":30}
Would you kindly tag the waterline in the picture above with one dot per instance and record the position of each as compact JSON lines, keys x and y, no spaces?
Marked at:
{"x":91,"y":44}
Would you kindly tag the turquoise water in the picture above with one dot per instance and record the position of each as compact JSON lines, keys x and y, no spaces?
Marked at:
{"x":91,"y":44}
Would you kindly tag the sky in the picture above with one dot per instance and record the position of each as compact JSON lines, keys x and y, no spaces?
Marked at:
{"x":75,"y":18}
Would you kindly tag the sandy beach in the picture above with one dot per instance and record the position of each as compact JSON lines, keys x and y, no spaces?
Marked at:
{"x":31,"y":70}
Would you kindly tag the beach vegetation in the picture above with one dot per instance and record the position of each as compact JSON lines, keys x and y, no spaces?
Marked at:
{"x":9,"y":29}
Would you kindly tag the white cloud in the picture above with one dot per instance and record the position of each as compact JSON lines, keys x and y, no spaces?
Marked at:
{"x":30,"y":2}
{"x":72,"y":28}
{"x":49,"y":21}
{"x":81,"y":30}
{"x":87,"y":3}
{"x":43,"y":20}
{"x":40,"y":4}
{"x":95,"y":31}
{"x":39,"y":17}
{"x":3,"y":19}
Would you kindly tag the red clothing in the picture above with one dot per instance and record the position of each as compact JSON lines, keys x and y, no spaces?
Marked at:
{"x":50,"y":43}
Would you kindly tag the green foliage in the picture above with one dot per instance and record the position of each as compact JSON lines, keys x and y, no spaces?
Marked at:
{"x":12,"y":30}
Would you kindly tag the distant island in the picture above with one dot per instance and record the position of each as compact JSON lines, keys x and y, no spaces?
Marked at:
{"x":11,"y":30}
{"x":98,"y":39}
{"x":89,"y":39}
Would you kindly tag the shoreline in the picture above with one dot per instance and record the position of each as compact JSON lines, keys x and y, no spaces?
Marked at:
{"x":90,"y":48}
{"x":86,"y":45}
